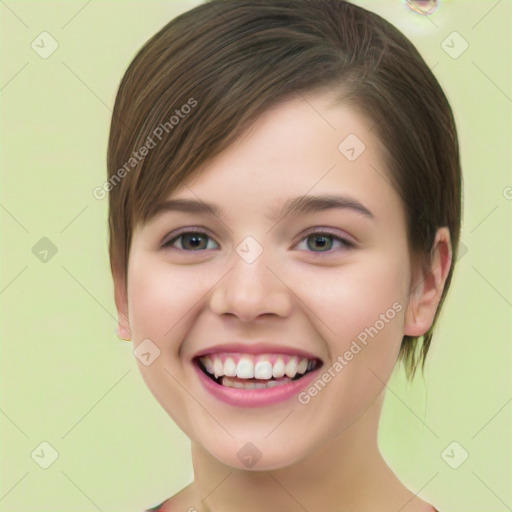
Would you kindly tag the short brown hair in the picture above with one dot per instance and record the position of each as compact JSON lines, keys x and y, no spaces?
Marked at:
{"x":235,"y":59}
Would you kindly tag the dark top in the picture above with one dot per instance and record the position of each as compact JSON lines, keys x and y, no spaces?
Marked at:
{"x":159,"y":509}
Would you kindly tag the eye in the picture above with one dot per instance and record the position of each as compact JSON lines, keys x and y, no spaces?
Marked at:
{"x":190,"y":241}
{"x":323,"y":240}
{"x":197,"y":241}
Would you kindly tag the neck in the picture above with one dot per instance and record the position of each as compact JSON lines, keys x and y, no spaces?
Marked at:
{"x":346,"y":472}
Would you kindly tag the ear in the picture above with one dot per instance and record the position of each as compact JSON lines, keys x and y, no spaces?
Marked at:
{"x":427,"y":286}
{"x":124,"y":331}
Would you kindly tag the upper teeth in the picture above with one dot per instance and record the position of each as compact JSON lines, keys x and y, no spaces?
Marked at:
{"x":247,"y":366}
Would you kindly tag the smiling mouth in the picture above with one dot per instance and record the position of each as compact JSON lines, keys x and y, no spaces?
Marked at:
{"x":244,"y":371}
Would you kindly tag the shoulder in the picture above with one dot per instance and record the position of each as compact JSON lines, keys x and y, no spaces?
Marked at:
{"x":418,"y":505}
{"x":183,"y":500}
{"x":158,"y":508}
{"x":430,"y":508}
{"x":165,"y":506}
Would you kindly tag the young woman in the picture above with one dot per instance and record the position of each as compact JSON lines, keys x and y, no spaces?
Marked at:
{"x":285,"y":208}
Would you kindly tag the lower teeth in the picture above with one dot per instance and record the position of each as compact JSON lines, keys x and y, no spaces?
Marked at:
{"x":253,"y":384}
{"x":235,"y":382}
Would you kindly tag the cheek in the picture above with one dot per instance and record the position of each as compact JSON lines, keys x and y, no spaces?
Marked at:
{"x":161,"y":299}
{"x":161,"y":304}
{"x":361,"y":309}
{"x":363,"y":302}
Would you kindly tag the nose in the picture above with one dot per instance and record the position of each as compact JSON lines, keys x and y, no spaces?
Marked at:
{"x":251,"y":290}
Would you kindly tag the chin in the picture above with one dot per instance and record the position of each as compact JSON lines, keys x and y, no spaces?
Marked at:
{"x":256,"y":456}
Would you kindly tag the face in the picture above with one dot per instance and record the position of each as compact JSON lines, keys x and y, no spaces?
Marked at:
{"x":320,"y":294}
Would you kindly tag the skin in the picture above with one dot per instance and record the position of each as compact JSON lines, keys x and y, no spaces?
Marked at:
{"x":319,"y":456}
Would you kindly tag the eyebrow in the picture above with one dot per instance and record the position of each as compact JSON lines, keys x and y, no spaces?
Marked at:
{"x":298,"y":205}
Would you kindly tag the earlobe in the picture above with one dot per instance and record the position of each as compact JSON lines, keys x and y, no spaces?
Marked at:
{"x":123,"y":330}
{"x":427,"y":286}
{"x":123,"y":323}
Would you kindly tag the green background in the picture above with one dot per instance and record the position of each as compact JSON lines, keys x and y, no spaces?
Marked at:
{"x":65,"y":377}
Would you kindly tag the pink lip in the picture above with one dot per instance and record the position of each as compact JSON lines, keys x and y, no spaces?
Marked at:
{"x":256,"y":348}
{"x":255,"y":397}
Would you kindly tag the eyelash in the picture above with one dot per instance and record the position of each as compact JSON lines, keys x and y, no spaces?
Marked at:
{"x":328,"y":234}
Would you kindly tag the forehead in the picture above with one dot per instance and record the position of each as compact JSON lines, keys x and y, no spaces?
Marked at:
{"x":301,"y":145}
{"x":307,"y":154}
